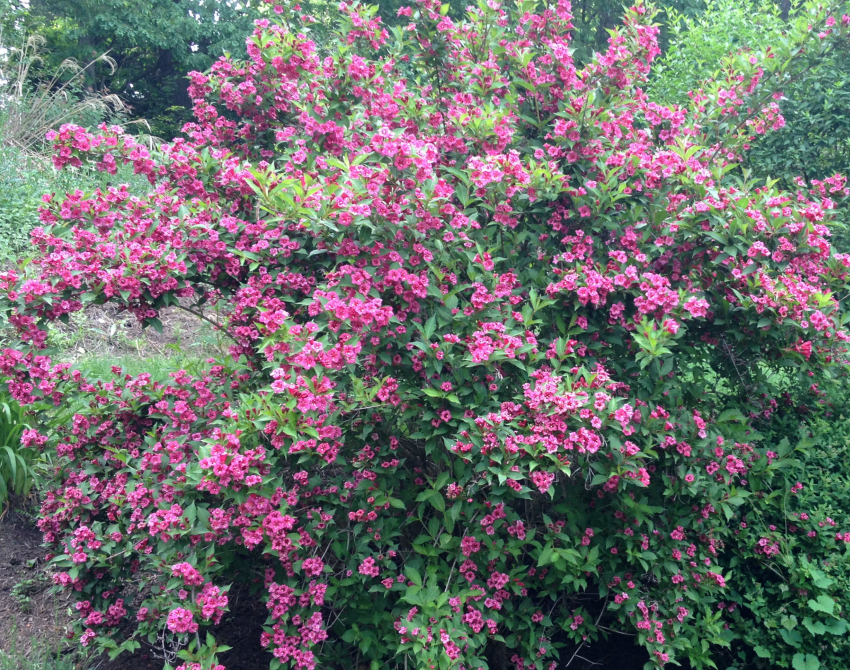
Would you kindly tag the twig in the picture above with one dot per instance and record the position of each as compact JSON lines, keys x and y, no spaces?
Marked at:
{"x":361,"y":409}
{"x":618,"y":632}
{"x":215,"y":325}
{"x":451,"y":573}
{"x":587,"y":660}
{"x":596,"y":625}
{"x":337,"y":616}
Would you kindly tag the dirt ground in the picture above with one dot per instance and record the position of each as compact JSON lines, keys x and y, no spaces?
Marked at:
{"x":27,"y":613}
{"x":103,"y":332}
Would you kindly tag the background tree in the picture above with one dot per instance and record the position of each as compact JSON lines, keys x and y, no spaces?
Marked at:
{"x":154,"y":44}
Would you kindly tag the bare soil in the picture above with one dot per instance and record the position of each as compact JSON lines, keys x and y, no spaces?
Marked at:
{"x":104,"y":331}
{"x":31,"y":613}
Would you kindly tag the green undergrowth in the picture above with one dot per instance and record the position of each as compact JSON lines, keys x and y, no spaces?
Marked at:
{"x":159,"y":367}
{"x":41,"y":656}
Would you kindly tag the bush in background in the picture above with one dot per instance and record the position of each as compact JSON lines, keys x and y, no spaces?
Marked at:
{"x":24,"y":179}
{"x":29,"y":108}
{"x":815,"y":140}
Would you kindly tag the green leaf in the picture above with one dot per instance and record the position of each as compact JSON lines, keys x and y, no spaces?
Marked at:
{"x":821,"y":580}
{"x":807,"y":662}
{"x":836,"y":626}
{"x":437,"y":500}
{"x":545,"y":555}
{"x":430,"y":324}
{"x":413,"y":575}
{"x":154,"y":323}
{"x":791,"y":637}
{"x":731,"y":415}
{"x":823,"y":604}
{"x":814,"y":627}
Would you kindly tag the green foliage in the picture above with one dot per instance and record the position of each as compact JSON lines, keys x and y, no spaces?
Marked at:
{"x":28,"y":109}
{"x":25,"y":589}
{"x":815,"y":140}
{"x":719,"y":376}
{"x":20,"y":183}
{"x":792,"y":609}
{"x":698,"y":44}
{"x":455,"y":423}
{"x":156,"y":42}
{"x":16,"y":473}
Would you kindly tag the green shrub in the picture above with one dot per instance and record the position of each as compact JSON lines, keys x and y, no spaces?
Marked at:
{"x":22,"y":181}
{"x":699,"y":44}
{"x":498,"y":360}
{"x":31,"y":105}
{"x":815,"y":141}
{"x":790,"y":603}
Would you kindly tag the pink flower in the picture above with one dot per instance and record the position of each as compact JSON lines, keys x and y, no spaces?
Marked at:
{"x":181,"y":621}
{"x":697,"y":307}
{"x":542,"y":480}
{"x":312,"y":566}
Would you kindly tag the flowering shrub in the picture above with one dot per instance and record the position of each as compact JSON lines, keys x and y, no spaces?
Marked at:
{"x":510,"y":347}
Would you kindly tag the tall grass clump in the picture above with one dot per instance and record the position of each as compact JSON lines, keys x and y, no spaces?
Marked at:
{"x":16,"y":462}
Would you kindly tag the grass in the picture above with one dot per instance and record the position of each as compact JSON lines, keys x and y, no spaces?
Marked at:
{"x":40,"y":657}
{"x":159,"y":367}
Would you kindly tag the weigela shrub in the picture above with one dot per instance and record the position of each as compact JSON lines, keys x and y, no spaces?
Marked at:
{"x":507,"y":343}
